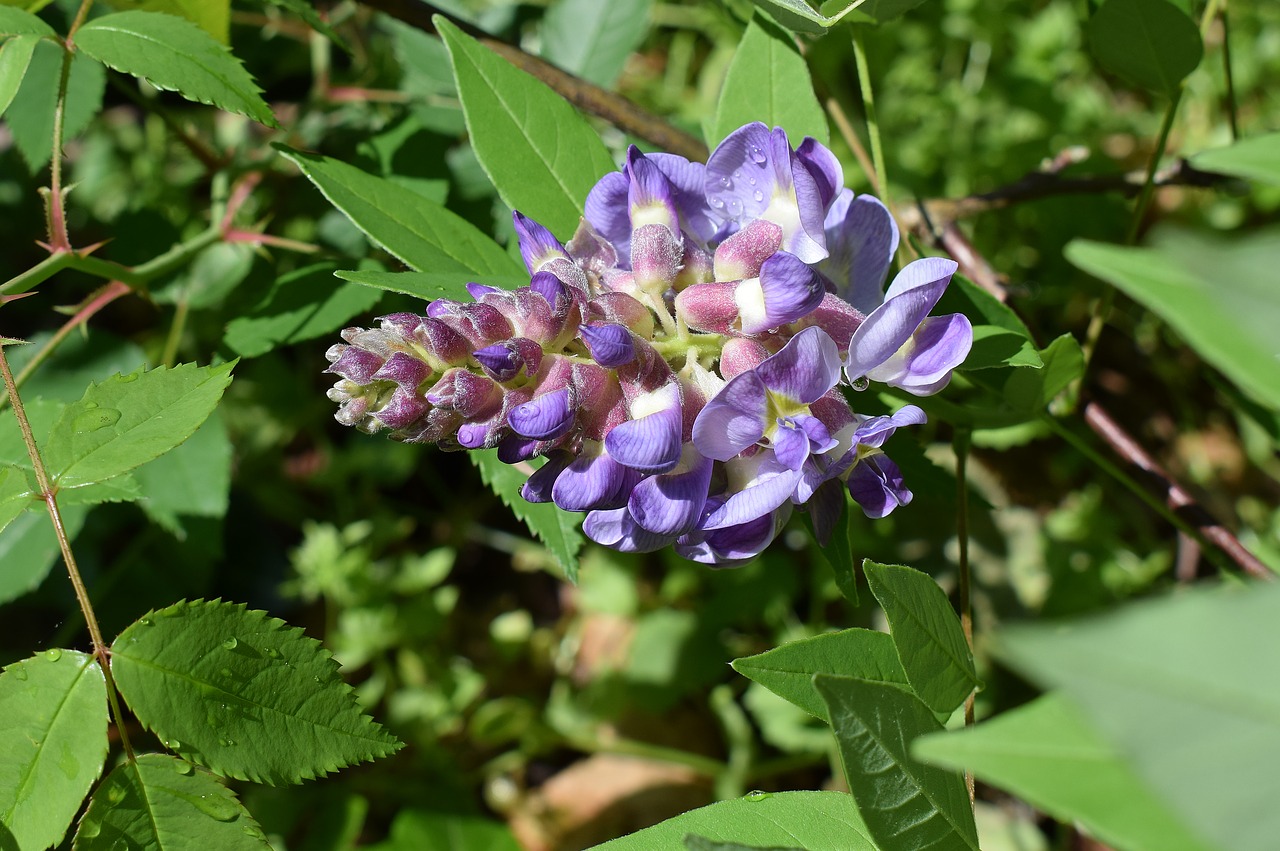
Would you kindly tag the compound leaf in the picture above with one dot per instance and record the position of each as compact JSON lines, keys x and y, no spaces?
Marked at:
{"x":243,"y":693}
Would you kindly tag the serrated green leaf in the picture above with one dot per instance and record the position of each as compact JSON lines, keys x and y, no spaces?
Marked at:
{"x":420,"y":232}
{"x":1150,"y":43}
{"x":1030,"y":391}
{"x":927,"y":634}
{"x":212,"y":16}
{"x":18,"y":22}
{"x":999,"y":337}
{"x":591,"y":39}
{"x":15,"y":494}
{"x":905,"y":803}
{"x":432,"y":830}
{"x":29,"y":549}
{"x":788,"y":670}
{"x":1255,"y":158}
{"x":1185,"y":688}
{"x":430,"y":285}
{"x":122,"y":488}
{"x":769,"y":81}
{"x":1219,"y":295}
{"x":301,"y":305}
{"x":128,"y":420}
{"x":159,"y":803}
{"x":243,"y":693}
{"x":799,"y":16}
{"x":540,"y":154}
{"x":174,"y":54}
{"x":1047,"y":754}
{"x":816,"y":821}
{"x":53,"y":743}
{"x":556,"y":528}
{"x":30,"y":115}
{"x":191,"y":480}
{"x":15,"y":57}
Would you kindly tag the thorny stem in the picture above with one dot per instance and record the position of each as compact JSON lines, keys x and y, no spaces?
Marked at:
{"x":960,"y":443}
{"x":869,"y":105}
{"x":58,"y":240}
{"x":50,"y":496}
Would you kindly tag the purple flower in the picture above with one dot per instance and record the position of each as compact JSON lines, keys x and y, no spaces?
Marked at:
{"x":900,"y":345}
{"x":862,"y":238}
{"x":874,"y":481}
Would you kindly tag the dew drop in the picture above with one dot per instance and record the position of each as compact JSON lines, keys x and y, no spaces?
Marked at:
{"x":226,"y":672}
{"x":184,"y":768}
{"x":125,"y":379}
{"x":172,"y":744}
{"x":217,"y":807}
{"x":115,"y":794}
{"x":95,"y":419}
{"x":90,"y":404}
{"x":226,"y":743}
{"x":250,"y":830}
{"x":145,"y":621}
{"x":758,"y":195}
{"x":757,"y":795}
{"x":860,"y":384}
{"x":271,"y":653}
{"x":717,"y":203}
{"x":230,"y":644}
{"x":756,"y":154}
{"x":53,"y":655}
{"x":726,"y":183}
{"x":89,"y":828}
{"x":20,"y":671}
{"x":752,"y":181}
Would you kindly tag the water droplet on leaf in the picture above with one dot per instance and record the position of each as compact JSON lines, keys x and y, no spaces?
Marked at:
{"x":860,"y":384}
{"x":89,"y":828}
{"x":53,"y":655}
{"x":271,"y":653}
{"x":226,"y":743}
{"x":93,"y":419}
{"x":145,"y":621}
{"x":20,"y":671}
{"x":115,"y":794}
{"x":184,"y":767}
{"x":125,"y":379}
{"x":218,"y":807}
{"x":230,"y":644}
{"x":757,"y":795}
{"x":226,"y":672}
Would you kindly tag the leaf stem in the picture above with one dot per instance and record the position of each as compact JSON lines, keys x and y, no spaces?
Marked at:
{"x":1149,"y":184}
{"x":50,"y":496}
{"x":960,"y":442}
{"x":81,"y":14}
{"x":869,"y":106}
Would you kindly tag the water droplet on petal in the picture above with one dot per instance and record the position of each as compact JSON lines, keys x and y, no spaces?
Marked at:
{"x":758,"y":195}
{"x":717,"y":203}
{"x":218,"y":807}
{"x":89,"y":828}
{"x":53,"y":655}
{"x":726,"y":182}
{"x":752,"y":181}
{"x":93,"y":419}
{"x":757,"y":795}
{"x":860,"y":384}
{"x":230,"y":644}
{"x":757,"y":155}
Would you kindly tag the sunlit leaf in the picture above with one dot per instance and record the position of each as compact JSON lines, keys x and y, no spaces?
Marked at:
{"x":245,"y":694}
{"x":1031,"y":390}
{"x":176,"y":55}
{"x":430,"y":286}
{"x":212,"y":16}
{"x":591,"y":39}
{"x":15,"y":57}
{"x":53,"y":742}
{"x":161,"y":803}
{"x":19,"y":22}
{"x":30,"y":114}
{"x":905,"y":803}
{"x":540,"y":154}
{"x":1149,"y":43}
{"x":999,"y":337}
{"x":1256,"y":158}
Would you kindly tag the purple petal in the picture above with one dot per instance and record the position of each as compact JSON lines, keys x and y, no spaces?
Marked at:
{"x":911,"y":296}
{"x":671,"y":504}
{"x":790,"y":444}
{"x":537,"y":488}
{"x":823,"y":167}
{"x":611,"y":345}
{"x":862,"y":238}
{"x":479,"y":291}
{"x":791,"y":290}
{"x":741,"y":177}
{"x":593,"y":482}
{"x":939,"y":346}
{"x":688,"y":180}
{"x":737,"y":544}
{"x":876,"y":430}
{"x":876,"y":484}
{"x":550,"y":288}
{"x":806,"y":368}
{"x":650,"y":197}
{"x":824,"y":510}
{"x":651,"y":442}
{"x":513,"y":448}
{"x":770,"y":487}
{"x":544,"y":418}
{"x":501,"y":362}
{"x":734,"y":419}
{"x":616,"y":529}
{"x":606,"y":209}
{"x":537,"y":244}
{"x":356,"y":364}
{"x":404,"y":369}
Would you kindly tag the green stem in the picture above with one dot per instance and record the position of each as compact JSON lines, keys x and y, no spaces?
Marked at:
{"x":1226,"y":67}
{"x":869,"y":105}
{"x":1148,"y":186}
{"x":960,"y":442}
{"x":178,"y":325}
{"x":731,"y":783}
{"x":50,"y":497}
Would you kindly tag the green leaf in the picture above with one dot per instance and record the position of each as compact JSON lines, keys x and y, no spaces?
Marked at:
{"x":591,"y":39}
{"x":129,"y":419}
{"x":1047,"y":754}
{"x":18,"y":22}
{"x":999,"y":336}
{"x":556,"y":528}
{"x":210,"y":278}
{"x":160,"y":803}
{"x":769,"y":81}
{"x":1032,"y":390}
{"x":15,"y":494}
{"x":905,"y":803}
{"x":432,"y":830}
{"x":30,"y":115}
{"x":243,"y":693}
{"x":816,"y":821}
{"x":788,"y":670}
{"x":799,"y":16}
{"x":302,"y":305}
{"x":191,"y":480}
{"x":53,"y":743}
{"x":701,"y":843}
{"x":420,"y":232}
{"x":431,"y":285}
{"x":176,"y":55}
{"x":1257,"y":158}
{"x":306,"y":10}
{"x":1185,"y":689}
{"x":15,"y":57}
{"x":29,"y":549}
{"x":1219,"y":295}
{"x":212,"y":16}
{"x":927,"y":634}
{"x":540,"y":154}
{"x":1149,"y":43}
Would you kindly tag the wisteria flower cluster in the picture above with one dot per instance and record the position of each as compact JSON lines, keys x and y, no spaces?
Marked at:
{"x":681,"y":361}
